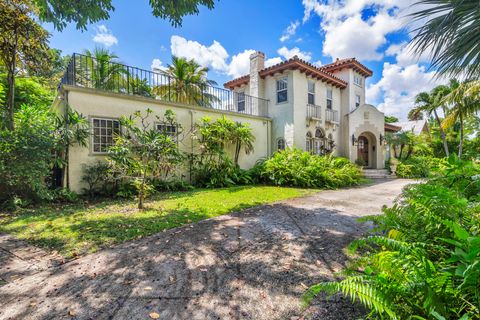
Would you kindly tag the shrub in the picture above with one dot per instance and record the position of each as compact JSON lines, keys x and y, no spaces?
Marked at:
{"x":100,"y":180}
{"x":423,"y":260}
{"x":294,"y":167}
{"x":419,"y":167}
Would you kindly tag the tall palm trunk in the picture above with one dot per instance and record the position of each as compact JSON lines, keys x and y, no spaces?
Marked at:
{"x":460,"y":146}
{"x":442,"y":133}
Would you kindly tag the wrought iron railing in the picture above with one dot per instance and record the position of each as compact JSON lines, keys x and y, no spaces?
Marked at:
{"x":314,"y":111}
{"x":88,"y":72}
{"x":331,"y":115}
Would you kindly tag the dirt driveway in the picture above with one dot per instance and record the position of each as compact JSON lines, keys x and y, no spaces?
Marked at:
{"x":247,"y":265}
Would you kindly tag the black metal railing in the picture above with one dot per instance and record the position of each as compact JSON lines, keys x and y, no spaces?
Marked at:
{"x":331,"y":115}
{"x":314,"y":111}
{"x":88,"y":72}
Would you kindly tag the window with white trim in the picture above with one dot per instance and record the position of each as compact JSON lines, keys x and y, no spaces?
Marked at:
{"x":168,"y":129}
{"x":282,"y":90}
{"x":329,"y":98}
{"x":309,"y":142}
{"x":357,"y":101}
{"x":280,"y":144}
{"x":104,"y":131}
{"x":311,"y":92}
{"x":241,"y":101}
{"x":357,"y":80}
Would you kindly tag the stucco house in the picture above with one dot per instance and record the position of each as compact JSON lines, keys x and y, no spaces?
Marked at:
{"x":291,"y":104}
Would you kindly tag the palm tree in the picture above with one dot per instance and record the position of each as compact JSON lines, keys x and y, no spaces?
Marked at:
{"x":242,"y":136}
{"x":465,"y":101}
{"x":450,"y":30}
{"x":429,"y":102}
{"x":100,"y":69}
{"x":186,"y":83}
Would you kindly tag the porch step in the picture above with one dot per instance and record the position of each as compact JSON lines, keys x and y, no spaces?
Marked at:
{"x":377,"y":174}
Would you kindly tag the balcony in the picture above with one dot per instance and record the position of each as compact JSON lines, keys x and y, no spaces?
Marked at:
{"x":331,"y":116}
{"x":314,"y":112}
{"x":87,"y":72}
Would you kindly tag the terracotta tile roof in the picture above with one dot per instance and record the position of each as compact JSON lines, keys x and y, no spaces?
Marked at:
{"x":347,"y":63}
{"x":391,"y":128}
{"x":294,"y":63}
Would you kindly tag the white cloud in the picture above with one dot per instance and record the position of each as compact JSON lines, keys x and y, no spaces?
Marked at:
{"x":289,"y":53}
{"x":404,"y":56}
{"x":105,"y":36}
{"x":157,"y":64}
{"x":398,"y":87}
{"x":347,"y":34}
{"x":213,"y":56}
{"x":290,"y":31}
{"x":216,"y":57}
{"x":317,"y":63}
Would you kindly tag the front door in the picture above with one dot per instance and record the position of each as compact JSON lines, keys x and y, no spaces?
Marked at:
{"x":363,"y":150}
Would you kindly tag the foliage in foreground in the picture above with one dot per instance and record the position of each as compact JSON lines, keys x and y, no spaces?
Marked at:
{"x":294,"y":167}
{"x":423,"y":262}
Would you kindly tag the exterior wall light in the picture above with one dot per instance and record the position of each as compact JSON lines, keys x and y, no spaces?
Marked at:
{"x":354,"y":140}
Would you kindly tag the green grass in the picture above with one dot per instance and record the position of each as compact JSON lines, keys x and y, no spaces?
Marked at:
{"x":80,"y":228}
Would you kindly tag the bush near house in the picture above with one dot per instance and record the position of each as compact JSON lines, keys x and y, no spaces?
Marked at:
{"x":294,"y":167}
{"x":419,"y":167}
{"x":423,"y":259}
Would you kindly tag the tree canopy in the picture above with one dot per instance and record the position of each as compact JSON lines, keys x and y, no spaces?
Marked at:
{"x":85,"y":12}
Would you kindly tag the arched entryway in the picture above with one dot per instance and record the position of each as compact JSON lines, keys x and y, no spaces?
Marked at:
{"x":367,"y":150}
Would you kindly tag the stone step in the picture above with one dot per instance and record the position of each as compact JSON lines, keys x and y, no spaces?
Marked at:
{"x":377,"y":174}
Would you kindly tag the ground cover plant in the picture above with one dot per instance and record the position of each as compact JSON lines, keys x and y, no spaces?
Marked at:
{"x":85,"y":227}
{"x":422,"y":261}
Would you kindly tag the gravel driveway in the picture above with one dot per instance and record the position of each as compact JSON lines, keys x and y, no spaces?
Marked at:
{"x":252,"y":264}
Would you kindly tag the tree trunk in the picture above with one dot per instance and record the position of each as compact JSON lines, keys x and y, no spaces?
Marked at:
{"x":442,"y":133}
{"x":238,"y":146}
{"x":11,"y":85}
{"x":141,"y":195}
{"x":460,"y":146}
{"x":401,"y":152}
{"x":409,"y":153}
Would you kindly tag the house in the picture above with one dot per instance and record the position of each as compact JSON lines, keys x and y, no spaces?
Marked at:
{"x":417,"y":127}
{"x":291,"y":104}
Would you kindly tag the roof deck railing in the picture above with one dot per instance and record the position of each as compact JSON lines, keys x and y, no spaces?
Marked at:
{"x":88,"y":72}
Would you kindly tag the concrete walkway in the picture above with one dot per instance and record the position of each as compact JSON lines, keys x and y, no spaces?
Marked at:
{"x":252,"y":264}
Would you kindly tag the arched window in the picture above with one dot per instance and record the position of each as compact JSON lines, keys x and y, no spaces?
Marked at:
{"x":309,"y":142}
{"x":330,"y":143}
{"x":320,"y":142}
{"x":280,"y":144}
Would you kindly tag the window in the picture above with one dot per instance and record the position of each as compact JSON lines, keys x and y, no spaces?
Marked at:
{"x":282,"y":90}
{"x":357,"y":101}
{"x":320,"y":142}
{"x":280,"y":144}
{"x":329,"y":98}
{"x":241,"y":101}
{"x":168,"y":129}
{"x":357,"y":80}
{"x":104,"y":130}
{"x":308,"y":142}
{"x":311,"y":92}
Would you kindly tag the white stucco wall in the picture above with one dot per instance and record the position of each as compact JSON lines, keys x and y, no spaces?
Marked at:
{"x":93,"y":103}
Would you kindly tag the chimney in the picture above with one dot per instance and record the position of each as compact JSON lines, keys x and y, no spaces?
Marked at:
{"x":257,"y":63}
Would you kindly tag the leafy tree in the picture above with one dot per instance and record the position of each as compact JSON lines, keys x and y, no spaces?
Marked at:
{"x":429,"y":103}
{"x":84,"y":12}
{"x":143,"y":153}
{"x":54,"y":70}
{"x":391,"y":119}
{"x":23,"y":44}
{"x":30,"y":91}
{"x":100,"y":69}
{"x":465,"y":101}
{"x":187,"y":83}
{"x":451,"y":33}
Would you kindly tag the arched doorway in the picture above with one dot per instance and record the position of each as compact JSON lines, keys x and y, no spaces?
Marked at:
{"x":362,"y":151}
{"x":367,"y":150}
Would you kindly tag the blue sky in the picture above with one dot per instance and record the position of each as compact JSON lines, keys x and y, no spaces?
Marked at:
{"x":374,"y":31}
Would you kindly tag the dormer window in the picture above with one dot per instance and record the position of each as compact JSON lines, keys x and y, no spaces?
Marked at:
{"x":282,"y":90}
{"x":357,"y":80}
{"x":311,"y":92}
{"x":329,"y":98}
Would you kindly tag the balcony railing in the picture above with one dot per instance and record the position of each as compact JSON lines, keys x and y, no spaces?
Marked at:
{"x":331,"y":115}
{"x":88,"y":72}
{"x":314,"y":112}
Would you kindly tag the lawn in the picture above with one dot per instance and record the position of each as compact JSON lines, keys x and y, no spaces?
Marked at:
{"x":81,"y":228}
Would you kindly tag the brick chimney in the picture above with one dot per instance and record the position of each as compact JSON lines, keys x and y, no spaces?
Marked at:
{"x":257,"y":63}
